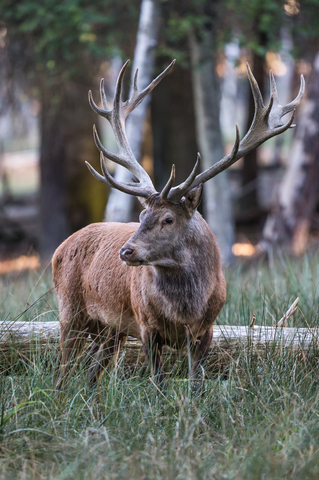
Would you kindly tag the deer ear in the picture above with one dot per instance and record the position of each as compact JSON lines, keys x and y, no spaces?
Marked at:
{"x":192,"y":199}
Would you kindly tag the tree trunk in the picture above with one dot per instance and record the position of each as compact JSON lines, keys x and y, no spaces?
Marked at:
{"x":250,"y":202}
{"x":54,"y":225}
{"x":70,"y":197}
{"x":174,"y":129}
{"x":217,"y":201}
{"x":86,"y":196}
{"x":120,"y":205}
{"x":289,"y":221}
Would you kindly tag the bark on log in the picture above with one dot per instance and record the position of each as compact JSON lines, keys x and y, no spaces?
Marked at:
{"x":22,"y":344}
{"x":42,"y":333}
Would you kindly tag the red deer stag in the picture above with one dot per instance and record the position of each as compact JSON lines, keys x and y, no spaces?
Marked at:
{"x":160,"y":279}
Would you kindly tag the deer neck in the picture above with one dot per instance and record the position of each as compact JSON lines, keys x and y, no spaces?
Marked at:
{"x":182,"y":292}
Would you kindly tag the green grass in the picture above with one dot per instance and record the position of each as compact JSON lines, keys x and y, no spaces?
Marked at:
{"x":28,"y":296}
{"x":260,"y":423}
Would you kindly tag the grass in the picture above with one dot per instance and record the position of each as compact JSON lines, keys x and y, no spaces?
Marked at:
{"x":260,"y":423}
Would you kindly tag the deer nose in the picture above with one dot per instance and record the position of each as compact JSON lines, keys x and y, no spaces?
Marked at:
{"x":126,"y":253}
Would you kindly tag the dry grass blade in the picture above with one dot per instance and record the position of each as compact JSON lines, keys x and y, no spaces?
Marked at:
{"x":289,"y":312}
{"x":253,"y":320}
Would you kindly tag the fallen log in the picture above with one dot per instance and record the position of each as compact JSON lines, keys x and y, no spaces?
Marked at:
{"x":22,"y":342}
{"x":19,"y":333}
{"x":42,"y":333}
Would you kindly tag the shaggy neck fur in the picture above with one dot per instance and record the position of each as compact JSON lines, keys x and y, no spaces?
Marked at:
{"x":184,"y":291}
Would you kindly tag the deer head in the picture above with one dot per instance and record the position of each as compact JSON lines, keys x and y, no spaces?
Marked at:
{"x":167,"y":233}
{"x":172,"y":210}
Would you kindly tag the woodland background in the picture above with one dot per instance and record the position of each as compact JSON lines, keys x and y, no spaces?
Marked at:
{"x":256,"y":414}
{"x":52,"y":52}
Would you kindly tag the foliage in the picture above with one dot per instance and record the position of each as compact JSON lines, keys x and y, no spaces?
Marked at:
{"x":257,"y":23}
{"x":55,"y":50}
{"x":200,"y":17}
{"x":260,"y":422}
{"x":305,"y":30}
{"x":57,"y":38}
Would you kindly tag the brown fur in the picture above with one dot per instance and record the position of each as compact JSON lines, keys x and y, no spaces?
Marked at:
{"x":175,"y":288}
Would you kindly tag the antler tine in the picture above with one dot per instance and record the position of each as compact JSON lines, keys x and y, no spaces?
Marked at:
{"x":116,"y":116}
{"x":273,"y":87}
{"x":118,"y":93}
{"x":104,"y":113}
{"x":131,"y":189}
{"x":96,"y":174}
{"x":267,"y":123}
{"x":138,"y":96}
{"x":108,"y":180}
{"x":277,"y":111}
{"x":292,"y":105}
{"x":103,"y":96}
{"x":259,"y":103}
{"x":169,"y":184}
{"x":112,"y":156}
{"x":178,"y":192}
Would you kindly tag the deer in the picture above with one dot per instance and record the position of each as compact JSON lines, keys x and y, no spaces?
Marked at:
{"x":159,"y":279}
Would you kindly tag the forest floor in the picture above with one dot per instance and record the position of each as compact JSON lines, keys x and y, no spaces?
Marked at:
{"x":260,"y":421}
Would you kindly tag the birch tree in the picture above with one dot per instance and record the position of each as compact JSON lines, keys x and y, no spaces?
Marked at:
{"x":120,"y":205}
{"x":217,"y":201}
{"x":289,"y":222}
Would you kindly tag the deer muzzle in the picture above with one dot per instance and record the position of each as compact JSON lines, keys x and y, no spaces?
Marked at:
{"x":126,"y":253}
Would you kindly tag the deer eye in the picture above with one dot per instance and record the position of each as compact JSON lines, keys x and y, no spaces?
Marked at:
{"x":169,"y":220}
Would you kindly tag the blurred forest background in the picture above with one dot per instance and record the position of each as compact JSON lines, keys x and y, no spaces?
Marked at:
{"x":52,"y":52}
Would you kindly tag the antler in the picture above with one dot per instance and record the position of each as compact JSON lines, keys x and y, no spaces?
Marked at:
{"x":116,"y":116}
{"x":266,"y":124}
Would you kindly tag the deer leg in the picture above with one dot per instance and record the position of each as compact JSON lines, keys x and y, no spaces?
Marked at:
{"x":104,"y":354}
{"x":121,"y":343}
{"x":99,"y":334}
{"x":72,"y":341}
{"x":152,"y":346}
{"x":200,"y":349}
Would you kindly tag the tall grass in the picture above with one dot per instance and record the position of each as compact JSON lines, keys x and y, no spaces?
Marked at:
{"x":28,"y":296}
{"x":259,"y":423}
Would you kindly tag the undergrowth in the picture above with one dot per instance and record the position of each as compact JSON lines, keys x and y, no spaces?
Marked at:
{"x":260,"y":421}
